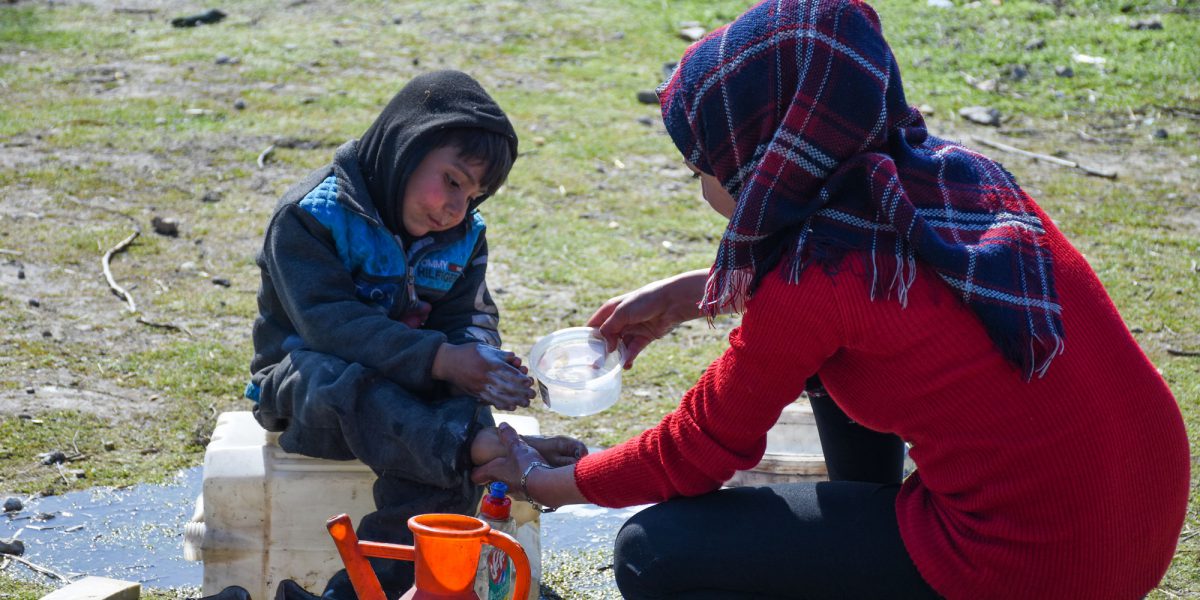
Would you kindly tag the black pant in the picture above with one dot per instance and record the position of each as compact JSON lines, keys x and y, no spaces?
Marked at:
{"x":830,"y":539}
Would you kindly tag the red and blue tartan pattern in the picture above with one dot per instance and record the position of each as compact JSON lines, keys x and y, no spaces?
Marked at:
{"x":798,"y":109}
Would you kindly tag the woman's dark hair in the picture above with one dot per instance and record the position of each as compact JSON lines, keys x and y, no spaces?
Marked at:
{"x":483,"y":145}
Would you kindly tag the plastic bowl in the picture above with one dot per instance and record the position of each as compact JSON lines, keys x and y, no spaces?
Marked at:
{"x":575,"y":374}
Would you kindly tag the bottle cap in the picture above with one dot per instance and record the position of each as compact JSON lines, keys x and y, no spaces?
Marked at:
{"x":496,"y":505}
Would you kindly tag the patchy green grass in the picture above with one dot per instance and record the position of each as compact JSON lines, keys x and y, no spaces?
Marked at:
{"x":108,"y":112}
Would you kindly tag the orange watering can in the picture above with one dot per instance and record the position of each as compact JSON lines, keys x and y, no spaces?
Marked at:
{"x":446,"y":552}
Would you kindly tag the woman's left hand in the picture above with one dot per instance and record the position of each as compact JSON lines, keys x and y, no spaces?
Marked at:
{"x":508,"y":468}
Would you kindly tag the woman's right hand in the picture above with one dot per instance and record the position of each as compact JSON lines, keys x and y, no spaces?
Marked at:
{"x":649,"y":312}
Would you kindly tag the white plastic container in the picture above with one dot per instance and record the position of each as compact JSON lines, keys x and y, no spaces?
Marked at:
{"x":793,"y":450}
{"x":261,"y":514}
{"x":576,"y":375}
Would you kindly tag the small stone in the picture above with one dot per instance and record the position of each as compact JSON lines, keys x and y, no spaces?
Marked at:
{"x":647,"y":97}
{"x":224,"y":59}
{"x":1145,"y":24}
{"x":30,"y":390}
{"x":239,"y":104}
{"x":34,"y":302}
{"x":925,"y":109}
{"x":1036,"y":43}
{"x":46,"y":333}
{"x":1161,"y":134}
{"x":307,"y":100}
{"x":53,"y":457}
{"x":20,"y":273}
{"x":692,"y":33}
{"x":397,"y":20}
{"x":221,"y":281}
{"x":211,"y":196}
{"x":647,"y":121}
{"x":12,"y":547}
{"x":13,"y":504}
{"x":160,"y":121}
{"x":982,"y":115}
{"x":1064,"y":72}
{"x":1017,"y":72}
{"x":109,"y":445}
{"x":165,"y":226}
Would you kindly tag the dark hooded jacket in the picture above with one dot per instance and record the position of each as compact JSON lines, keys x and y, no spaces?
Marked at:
{"x":336,"y":274}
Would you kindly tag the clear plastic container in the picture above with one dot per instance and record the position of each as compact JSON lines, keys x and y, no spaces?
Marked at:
{"x":576,"y":375}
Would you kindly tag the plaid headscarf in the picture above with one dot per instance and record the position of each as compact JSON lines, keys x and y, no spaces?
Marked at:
{"x":797,"y":108}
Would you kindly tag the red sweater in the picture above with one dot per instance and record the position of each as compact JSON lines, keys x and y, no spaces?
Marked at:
{"x":1070,"y":486}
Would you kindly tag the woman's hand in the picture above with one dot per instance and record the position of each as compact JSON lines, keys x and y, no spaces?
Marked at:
{"x":650,"y":312}
{"x":493,"y":375}
{"x":511,"y":463}
{"x":550,"y":486}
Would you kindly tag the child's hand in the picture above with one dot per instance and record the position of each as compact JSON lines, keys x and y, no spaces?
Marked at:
{"x":493,"y":375}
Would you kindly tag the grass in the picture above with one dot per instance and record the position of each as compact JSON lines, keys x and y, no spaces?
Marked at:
{"x":108,"y":111}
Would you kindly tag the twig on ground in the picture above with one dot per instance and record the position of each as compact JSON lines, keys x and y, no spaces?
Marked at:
{"x":171,"y":326}
{"x":40,"y":569}
{"x":62,"y":472}
{"x":1107,"y":174}
{"x":135,"y":11}
{"x":262,"y":157}
{"x":112,"y":283}
{"x":8,"y":252}
{"x":1178,"y":352}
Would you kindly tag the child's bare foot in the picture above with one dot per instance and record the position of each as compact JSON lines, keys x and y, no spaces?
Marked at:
{"x":558,"y":450}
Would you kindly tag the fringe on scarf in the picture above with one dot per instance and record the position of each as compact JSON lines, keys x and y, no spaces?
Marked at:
{"x":726,"y":291}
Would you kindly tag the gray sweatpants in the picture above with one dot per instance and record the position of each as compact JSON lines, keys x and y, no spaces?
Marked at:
{"x":328,"y":408}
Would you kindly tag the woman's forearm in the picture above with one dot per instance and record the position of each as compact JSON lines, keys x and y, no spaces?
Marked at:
{"x":554,"y":487}
{"x":685,"y":291}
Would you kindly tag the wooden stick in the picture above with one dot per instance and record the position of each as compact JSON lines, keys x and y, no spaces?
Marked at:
{"x":1047,"y":158}
{"x":171,"y":326}
{"x":39,"y":569}
{"x":262,"y":158}
{"x":11,"y":252}
{"x":112,"y":283}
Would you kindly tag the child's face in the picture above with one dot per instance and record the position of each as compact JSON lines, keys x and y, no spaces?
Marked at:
{"x":439,"y":191}
{"x":714,"y":193}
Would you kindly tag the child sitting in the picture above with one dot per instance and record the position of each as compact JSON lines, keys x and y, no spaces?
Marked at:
{"x":376,"y":337}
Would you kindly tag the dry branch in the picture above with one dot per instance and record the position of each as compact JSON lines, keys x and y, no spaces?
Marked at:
{"x":40,"y":569}
{"x":171,"y":326}
{"x":262,"y":158}
{"x":1107,"y":174}
{"x":121,"y":292}
{"x":8,"y":252}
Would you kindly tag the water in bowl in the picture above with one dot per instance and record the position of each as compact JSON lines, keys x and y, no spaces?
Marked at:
{"x":579,"y":377}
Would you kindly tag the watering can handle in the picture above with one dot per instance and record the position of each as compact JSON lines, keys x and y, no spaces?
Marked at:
{"x":520,"y":560}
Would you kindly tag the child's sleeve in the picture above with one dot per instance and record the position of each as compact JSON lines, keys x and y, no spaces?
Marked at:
{"x":318,"y":295}
{"x":467,"y":313}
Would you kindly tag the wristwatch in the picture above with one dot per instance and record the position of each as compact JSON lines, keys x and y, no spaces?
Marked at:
{"x":525,"y":489}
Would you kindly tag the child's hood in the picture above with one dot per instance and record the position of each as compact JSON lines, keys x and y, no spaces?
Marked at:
{"x":395,"y":144}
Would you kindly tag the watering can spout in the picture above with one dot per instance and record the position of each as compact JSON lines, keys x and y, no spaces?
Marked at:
{"x":445,"y":552}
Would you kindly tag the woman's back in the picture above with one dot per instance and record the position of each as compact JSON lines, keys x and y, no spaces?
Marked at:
{"x":1077,"y":480}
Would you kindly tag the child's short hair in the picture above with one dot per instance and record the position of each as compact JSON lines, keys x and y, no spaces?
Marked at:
{"x":483,"y":145}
